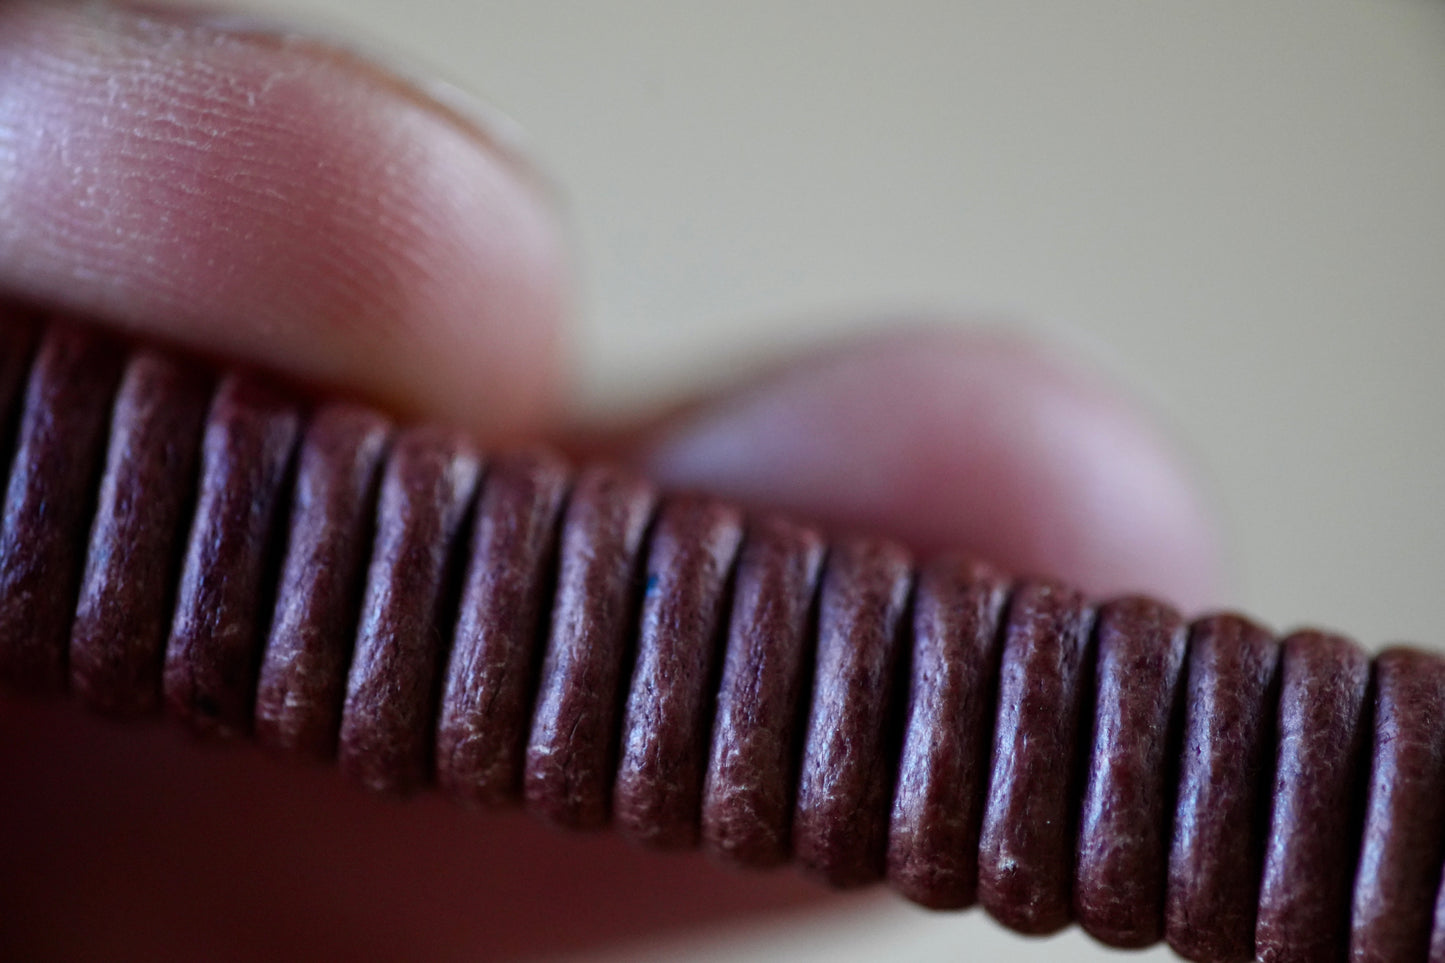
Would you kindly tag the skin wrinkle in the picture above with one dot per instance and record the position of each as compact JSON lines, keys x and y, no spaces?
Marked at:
{"x":181,"y":142}
{"x":161,"y":159}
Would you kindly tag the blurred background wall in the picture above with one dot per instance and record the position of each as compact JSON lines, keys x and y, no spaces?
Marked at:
{"x":1236,"y":208}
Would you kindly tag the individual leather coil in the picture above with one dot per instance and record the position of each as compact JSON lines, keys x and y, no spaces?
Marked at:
{"x":518,"y":632}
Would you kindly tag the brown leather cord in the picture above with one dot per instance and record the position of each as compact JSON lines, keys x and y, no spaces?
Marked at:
{"x":517,"y":632}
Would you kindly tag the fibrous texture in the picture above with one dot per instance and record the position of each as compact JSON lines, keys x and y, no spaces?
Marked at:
{"x":519,"y":632}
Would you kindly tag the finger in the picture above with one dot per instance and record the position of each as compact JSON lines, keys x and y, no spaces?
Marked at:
{"x":962,"y":440}
{"x":265,"y":197}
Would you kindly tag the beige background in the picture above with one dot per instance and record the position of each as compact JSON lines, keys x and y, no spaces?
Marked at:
{"x":1238,"y":208}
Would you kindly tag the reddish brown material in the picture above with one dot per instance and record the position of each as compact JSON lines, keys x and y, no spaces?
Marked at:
{"x":214,"y":649}
{"x":706,"y":675}
{"x":943,"y":772}
{"x":840,"y":824}
{"x":48,"y":504}
{"x":1026,"y":853}
{"x":747,"y":802}
{"x":1215,"y":860}
{"x":126,"y":596}
{"x":387,"y":718}
{"x":668,"y":716}
{"x":1304,"y":904}
{"x":487,"y":702}
{"x":568,"y":776}
{"x":1404,"y":835}
{"x":1123,"y":849}
{"x":303,"y":672}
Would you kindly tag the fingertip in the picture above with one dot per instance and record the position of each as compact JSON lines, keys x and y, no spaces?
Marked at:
{"x":966,"y":440}
{"x":277,"y":200}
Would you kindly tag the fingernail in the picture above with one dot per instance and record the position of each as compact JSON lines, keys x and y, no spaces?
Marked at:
{"x":409,"y":78}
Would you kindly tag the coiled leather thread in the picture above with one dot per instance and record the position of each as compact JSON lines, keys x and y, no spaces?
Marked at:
{"x":518,"y":632}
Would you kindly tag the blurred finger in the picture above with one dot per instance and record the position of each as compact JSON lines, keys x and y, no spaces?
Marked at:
{"x":961,"y":440}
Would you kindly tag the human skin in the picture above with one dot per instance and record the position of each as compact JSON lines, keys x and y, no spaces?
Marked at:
{"x":268,"y":199}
